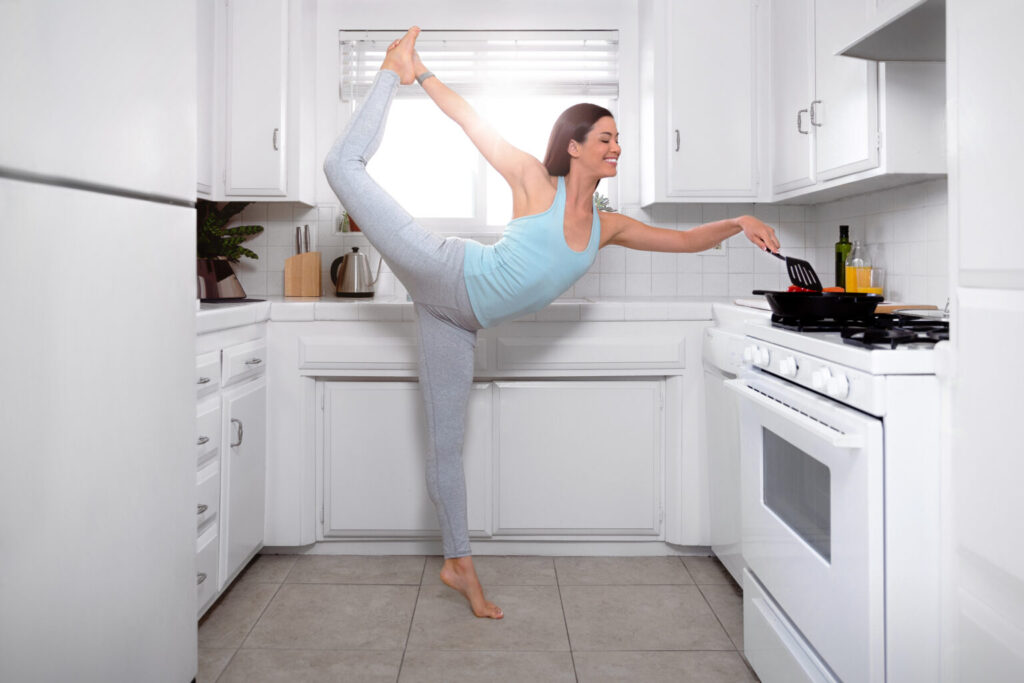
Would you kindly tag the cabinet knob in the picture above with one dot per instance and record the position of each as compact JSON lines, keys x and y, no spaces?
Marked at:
{"x":201,"y":508}
{"x":800,"y":122}
{"x":254,"y":361}
{"x":200,"y":577}
{"x":202,"y":440}
{"x":203,"y":380}
{"x":240,"y":432}
{"x":814,"y":113}
{"x":277,"y":134}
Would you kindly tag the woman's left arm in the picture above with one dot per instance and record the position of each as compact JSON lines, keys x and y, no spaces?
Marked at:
{"x":631,"y":233}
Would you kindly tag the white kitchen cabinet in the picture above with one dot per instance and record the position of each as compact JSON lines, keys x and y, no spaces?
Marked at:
{"x":578,"y":458}
{"x":698,"y":100}
{"x":374,"y":460}
{"x":244,"y":474}
{"x":205,"y":20}
{"x":258,"y":141}
{"x":792,"y":79}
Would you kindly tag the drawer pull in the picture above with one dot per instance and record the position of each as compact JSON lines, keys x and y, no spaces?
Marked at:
{"x":203,"y":380}
{"x":201,"y":508}
{"x":200,"y":577}
{"x":254,"y":361}
{"x":202,"y":440}
{"x":239,"y":423}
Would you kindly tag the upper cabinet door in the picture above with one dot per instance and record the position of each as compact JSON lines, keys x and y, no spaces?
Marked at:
{"x":792,"y":86}
{"x":845,"y":107}
{"x":100,"y":97}
{"x":257,"y":88}
{"x":712,"y":118}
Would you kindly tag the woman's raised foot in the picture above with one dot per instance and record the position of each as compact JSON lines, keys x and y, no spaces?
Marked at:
{"x":399,"y":56}
{"x":459,"y":573}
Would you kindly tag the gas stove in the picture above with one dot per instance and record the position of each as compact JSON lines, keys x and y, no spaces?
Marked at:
{"x":877,"y":331}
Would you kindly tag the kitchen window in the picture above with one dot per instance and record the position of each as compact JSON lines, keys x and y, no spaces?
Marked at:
{"x":519,"y":81}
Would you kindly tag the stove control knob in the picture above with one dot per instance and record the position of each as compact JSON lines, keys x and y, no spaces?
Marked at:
{"x":838,"y":387}
{"x":748,"y":354}
{"x":820,"y":378}
{"x":764,"y":358}
{"x":788,"y":367}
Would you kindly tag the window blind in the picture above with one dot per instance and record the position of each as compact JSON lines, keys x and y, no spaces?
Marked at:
{"x":572,"y":63}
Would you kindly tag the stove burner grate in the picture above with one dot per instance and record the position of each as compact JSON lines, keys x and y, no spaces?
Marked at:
{"x":888,"y":330}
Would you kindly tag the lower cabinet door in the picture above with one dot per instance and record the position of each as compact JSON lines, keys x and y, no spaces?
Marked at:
{"x":374,"y":460}
{"x":243,"y":498}
{"x":578,"y":458}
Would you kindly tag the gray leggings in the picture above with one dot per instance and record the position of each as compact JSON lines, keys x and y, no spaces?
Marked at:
{"x":430,"y":267}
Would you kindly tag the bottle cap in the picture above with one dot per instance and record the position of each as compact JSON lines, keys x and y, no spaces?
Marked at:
{"x":844,"y":231}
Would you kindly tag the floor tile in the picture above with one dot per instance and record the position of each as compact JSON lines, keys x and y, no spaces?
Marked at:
{"x":228,"y":622}
{"x":620,"y":570}
{"x":726,"y":602}
{"x":499,"y":570}
{"x":706,"y":570}
{"x":313,"y":666}
{"x":662,"y":667}
{"x":328,"y":616}
{"x":212,"y":662}
{"x":268,"y":569}
{"x":357,"y":569}
{"x":641,"y":618}
{"x":430,"y":666}
{"x":533,"y":620}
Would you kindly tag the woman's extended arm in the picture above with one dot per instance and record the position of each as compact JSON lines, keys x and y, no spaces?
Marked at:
{"x":628,"y":232}
{"x":511,"y":162}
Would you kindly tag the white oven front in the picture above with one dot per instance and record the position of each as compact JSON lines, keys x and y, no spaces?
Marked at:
{"x":812,"y":507}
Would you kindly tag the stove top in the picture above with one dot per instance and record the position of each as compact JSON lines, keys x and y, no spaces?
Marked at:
{"x":877,"y":331}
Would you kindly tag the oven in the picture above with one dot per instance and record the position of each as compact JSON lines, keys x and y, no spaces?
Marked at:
{"x":812,"y":533}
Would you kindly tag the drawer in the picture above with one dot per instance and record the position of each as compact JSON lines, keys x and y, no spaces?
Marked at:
{"x":243,"y":361}
{"x":207,"y":562}
{"x":207,"y":430}
{"x":207,"y":373}
{"x":625,"y":350}
{"x":772,"y":645}
{"x":207,"y":496}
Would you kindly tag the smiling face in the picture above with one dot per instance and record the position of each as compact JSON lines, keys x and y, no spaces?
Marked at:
{"x":599,"y":152}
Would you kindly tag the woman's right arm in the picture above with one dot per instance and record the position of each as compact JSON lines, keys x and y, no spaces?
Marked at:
{"x":512,"y":163}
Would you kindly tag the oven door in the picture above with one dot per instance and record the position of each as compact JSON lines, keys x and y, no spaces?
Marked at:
{"x":812,"y":502}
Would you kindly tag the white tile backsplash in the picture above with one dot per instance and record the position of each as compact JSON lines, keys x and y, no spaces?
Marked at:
{"x":904,"y":229}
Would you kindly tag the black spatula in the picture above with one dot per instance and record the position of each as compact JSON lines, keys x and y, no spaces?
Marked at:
{"x":800,"y":272}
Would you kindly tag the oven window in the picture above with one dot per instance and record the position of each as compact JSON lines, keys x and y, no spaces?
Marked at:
{"x":796,"y":488}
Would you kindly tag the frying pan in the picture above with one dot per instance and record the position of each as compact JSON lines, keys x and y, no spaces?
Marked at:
{"x":834,"y":305}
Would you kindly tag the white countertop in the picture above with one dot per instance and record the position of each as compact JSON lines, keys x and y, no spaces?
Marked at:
{"x":212,"y":317}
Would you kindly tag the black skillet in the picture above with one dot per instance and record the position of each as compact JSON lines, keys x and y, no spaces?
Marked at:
{"x":834,"y":305}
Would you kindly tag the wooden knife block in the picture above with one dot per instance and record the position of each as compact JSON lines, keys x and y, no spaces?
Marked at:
{"x":302,"y":274}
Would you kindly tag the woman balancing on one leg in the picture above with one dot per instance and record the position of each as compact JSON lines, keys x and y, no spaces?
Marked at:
{"x":460,"y":286}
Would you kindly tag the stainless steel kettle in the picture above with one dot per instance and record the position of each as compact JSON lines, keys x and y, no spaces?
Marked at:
{"x":351,"y":274}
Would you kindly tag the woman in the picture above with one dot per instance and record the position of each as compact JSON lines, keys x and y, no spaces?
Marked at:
{"x":460,"y":286}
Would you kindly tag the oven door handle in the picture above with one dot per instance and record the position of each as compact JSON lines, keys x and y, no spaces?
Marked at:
{"x":834,"y":438}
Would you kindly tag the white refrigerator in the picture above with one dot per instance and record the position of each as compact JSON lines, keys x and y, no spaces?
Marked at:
{"x":97,"y":325}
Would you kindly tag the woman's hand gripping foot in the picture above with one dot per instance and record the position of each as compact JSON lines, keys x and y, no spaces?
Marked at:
{"x":399,"y":56}
{"x":459,"y":573}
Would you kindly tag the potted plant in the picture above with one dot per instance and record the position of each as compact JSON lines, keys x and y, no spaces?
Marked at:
{"x":218,"y":247}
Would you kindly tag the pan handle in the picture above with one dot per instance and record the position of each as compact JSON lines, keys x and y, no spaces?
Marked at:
{"x":763,"y":291}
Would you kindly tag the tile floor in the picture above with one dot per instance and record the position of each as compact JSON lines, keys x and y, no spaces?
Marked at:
{"x":389,"y":618}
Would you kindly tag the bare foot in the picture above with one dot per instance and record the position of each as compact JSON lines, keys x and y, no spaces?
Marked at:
{"x":459,"y":573}
{"x":399,"y":56}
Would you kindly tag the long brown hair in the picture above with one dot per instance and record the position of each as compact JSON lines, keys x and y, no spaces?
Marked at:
{"x":573,"y":124}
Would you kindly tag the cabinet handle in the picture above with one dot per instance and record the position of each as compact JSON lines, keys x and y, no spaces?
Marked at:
{"x":814,"y":118}
{"x":203,"y":380}
{"x":254,"y":361}
{"x":201,"y":508}
{"x":800,"y":121}
{"x":677,"y":139}
{"x":277,"y":133}
{"x":200,"y":577}
{"x":239,"y":423}
{"x":202,"y":440}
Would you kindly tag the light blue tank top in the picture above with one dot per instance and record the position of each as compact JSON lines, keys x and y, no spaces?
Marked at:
{"x":528,"y":267}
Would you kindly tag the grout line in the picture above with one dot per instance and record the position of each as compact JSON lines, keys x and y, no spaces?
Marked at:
{"x":565,"y":622}
{"x":408,"y":634}
{"x":717,"y":618}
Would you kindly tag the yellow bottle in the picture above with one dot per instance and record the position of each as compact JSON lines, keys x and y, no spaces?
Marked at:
{"x":858,"y":269}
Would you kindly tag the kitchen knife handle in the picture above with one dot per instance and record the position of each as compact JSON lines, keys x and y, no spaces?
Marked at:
{"x":298,"y":240}
{"x":306,"y":234}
